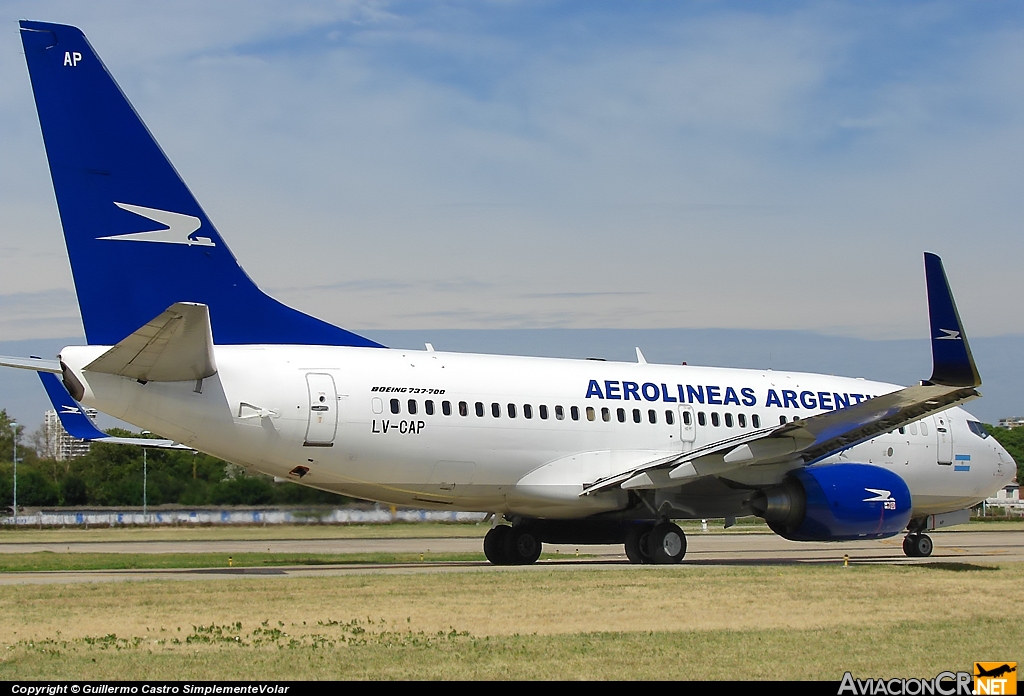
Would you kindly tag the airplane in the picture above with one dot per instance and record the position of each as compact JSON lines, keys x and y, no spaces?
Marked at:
{"x":181,"y":342}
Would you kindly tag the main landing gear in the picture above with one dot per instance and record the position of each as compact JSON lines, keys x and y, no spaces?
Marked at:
{"x":506,"y":545}
{"x":663,"y":543}
{"x":917,"y":545}
{"x":646,"y":542}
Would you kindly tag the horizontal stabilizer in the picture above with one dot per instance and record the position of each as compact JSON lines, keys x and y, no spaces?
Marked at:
{"x":34,"y":364}
{"x":176,"y":346}
{"x":75,"y":421}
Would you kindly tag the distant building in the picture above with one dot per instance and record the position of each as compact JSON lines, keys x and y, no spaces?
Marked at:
{"x":59,"y":444}
{"x":1014,"y":422}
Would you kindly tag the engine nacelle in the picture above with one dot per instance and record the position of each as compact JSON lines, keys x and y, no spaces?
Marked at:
{"x":836,"y":502}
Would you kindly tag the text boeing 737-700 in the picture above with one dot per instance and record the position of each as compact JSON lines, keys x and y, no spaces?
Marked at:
{"x":182,"y":343}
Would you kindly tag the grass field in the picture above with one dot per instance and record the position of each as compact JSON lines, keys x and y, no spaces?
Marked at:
{"x":49,"y":561}
{"x":696,"y":622}
{"x":417,"y":530}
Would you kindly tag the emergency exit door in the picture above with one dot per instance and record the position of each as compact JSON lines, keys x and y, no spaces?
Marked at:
{"x":323,"y":410}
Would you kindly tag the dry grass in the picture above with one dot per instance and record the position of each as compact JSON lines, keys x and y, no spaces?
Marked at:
{"x":919,"y":649}
{"x":647,"y":622}
{"x":556,"y":601}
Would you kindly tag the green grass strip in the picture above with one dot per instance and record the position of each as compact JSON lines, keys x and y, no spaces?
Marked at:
{"x":49,"y":561}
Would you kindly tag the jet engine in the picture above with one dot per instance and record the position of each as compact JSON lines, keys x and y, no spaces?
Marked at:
{"x":836,"y":502}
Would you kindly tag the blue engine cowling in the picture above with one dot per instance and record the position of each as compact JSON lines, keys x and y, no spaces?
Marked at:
{"x":836,"y":502}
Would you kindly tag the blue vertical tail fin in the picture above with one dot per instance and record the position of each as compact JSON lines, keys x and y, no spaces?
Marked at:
{"x":137,"y":238}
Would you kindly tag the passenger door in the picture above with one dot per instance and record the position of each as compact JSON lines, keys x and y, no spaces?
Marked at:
{"x":944,"y":439}
{"x":323,"y":410}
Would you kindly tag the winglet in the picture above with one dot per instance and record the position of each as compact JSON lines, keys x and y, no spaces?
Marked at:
{"x":952,"y":362}
{"x":72,"y":415}
{"x":75,"y":421}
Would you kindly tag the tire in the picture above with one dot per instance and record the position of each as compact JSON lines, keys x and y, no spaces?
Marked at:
{"x":494,"y":544}
{"x":521,"y":546}
{"x":918,"y":545}
{"x":636,"y":543}
{"x":666,"y":544}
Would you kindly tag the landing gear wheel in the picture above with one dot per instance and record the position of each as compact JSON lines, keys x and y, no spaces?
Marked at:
{"x":917,"y":545}
{"x":666,"y":543}
{"x":636,"y":543}
{"x":494,"y":544}
{"x":522,"y":547}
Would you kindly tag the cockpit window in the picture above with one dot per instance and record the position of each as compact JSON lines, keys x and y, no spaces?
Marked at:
{"x":978,"y":429}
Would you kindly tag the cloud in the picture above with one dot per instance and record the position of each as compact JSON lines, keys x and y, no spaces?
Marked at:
{"x":464,"y":164}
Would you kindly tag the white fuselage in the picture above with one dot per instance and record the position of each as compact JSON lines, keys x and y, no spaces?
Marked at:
{"x":358,"y":421}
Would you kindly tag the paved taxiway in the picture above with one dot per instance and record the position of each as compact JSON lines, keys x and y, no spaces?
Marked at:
{"x":967,"y":547}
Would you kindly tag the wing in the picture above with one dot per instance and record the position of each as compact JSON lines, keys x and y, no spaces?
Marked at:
{"x":954,"y":380}
{"x":78,"y":424}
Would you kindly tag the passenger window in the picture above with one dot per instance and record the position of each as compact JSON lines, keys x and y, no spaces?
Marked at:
{"x":446,"y":408}
{"x":496,"y":410}
{"x":463,"y":408}
{"x":511,"y":410}
{"x":755,"y":420}
{"x":620,"y":413}
{"x":913,"y":428}
{"x":574,"y":411}
{"x":903,"y":431}
{"x":412,"y":406}
{"x":606,"y":415}
{"x":428,"y":406}
{"x":527,"y":411}
{"x":782,"y":420}
{"x":543,"y":412}
{"x":924,"y":428}
{"x":728,"y":420}
{"x":670,"y":417}
{"x":715,"y":421}
{"x":559,"y":413}
{"x":591,"y":414}
{"x":652,"y":415}
{"x":636,"y":415}
{"x":741,"y":418}
{"x":701,"y":418}
{"x":686,"y":418}
{"x":479,"y":409}
{"x":396,"y":406}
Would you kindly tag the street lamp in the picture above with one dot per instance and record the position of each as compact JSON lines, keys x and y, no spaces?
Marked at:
{"x":14,"y":433}
{"x":144,"y":477}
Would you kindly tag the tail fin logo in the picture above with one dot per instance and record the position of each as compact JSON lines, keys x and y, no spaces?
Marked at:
{"x":951,"y":335}
{"x":179,"y":230}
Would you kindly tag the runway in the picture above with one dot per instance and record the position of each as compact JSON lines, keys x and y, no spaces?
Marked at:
{"x":960,"y":547}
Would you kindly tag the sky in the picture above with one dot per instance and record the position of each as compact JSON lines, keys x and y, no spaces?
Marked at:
{"x":529,"y":165}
